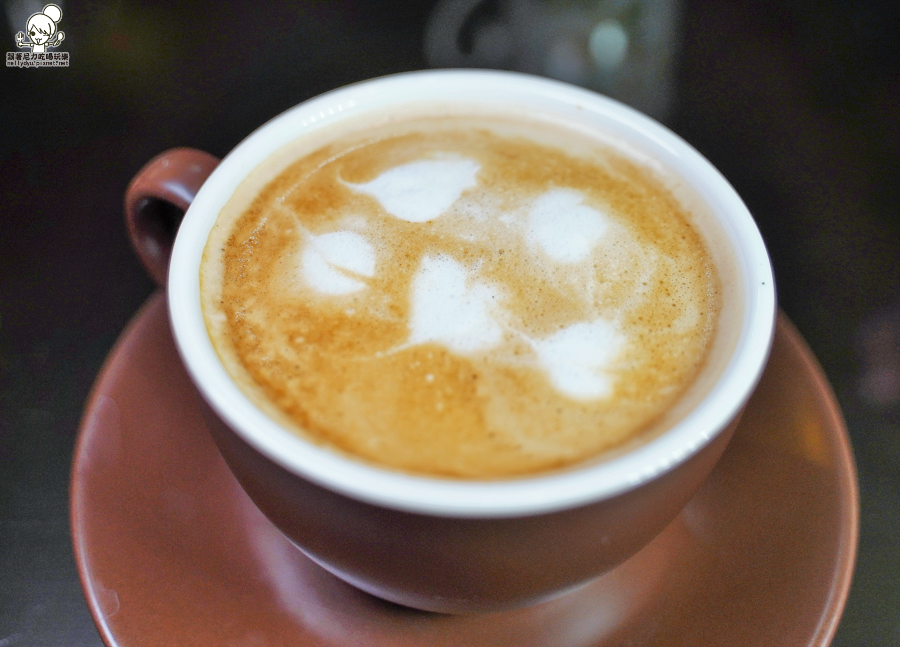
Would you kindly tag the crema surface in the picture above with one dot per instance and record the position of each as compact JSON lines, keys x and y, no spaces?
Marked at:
{"x":464,"y":296}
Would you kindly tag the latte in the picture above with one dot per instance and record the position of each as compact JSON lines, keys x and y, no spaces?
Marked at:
{"x":470,"y":295}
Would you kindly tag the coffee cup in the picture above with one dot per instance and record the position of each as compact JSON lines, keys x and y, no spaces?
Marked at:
{"x":460,"y":542}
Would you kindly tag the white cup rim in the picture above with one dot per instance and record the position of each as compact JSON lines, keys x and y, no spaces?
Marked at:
{"x":450,"y":497}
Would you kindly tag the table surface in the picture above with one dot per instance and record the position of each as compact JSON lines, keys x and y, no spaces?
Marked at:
{"x":797,"y":105}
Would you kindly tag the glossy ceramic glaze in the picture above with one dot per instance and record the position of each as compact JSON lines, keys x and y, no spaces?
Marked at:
{"x":171,"y":551}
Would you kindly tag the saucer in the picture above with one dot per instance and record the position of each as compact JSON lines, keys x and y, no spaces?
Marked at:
{"x":171,"y":551}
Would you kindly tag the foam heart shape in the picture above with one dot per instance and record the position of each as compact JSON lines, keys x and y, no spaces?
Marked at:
{"x":577,"y":358}
{"x":421,"y":191}
{"x":564,"y":228}
{"x":333,"y":263}
{"x":452,"y":309}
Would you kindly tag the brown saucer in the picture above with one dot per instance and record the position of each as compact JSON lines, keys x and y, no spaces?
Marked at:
{"x":172,"y":552}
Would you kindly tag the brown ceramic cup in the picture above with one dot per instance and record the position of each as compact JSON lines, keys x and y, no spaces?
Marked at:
{"x":451,"y":545}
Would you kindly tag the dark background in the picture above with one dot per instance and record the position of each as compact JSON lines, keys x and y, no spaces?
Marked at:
{"x":797,"y":102}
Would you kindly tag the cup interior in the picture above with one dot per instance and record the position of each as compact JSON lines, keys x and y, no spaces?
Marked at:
{"x":736,"y":359}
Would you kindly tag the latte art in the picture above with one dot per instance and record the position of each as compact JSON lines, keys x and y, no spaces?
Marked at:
{"x":423,"y":190}
{"x":451,"y":308}
{"x":457,"y":296}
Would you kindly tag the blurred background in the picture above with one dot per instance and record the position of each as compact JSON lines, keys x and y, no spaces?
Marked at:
{"x":797,"y":102}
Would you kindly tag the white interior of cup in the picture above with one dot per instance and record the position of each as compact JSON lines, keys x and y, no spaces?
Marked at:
{"x":732,"y":371}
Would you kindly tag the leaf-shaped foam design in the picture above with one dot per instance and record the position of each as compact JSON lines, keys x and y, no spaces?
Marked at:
{"x":564,"y":228}
{"x":332,"y":263}
{"x":421,"y":191}
{"x":451,"y":309}
{"x":578,"y":357}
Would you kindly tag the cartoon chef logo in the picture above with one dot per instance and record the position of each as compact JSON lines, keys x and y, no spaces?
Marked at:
{"x":42,"y":30}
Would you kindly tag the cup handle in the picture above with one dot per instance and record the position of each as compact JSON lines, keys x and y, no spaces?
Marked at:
{"x":156,"y":200}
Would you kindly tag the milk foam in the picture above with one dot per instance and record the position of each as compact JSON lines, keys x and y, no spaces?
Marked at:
{"x":491,"y":304}
{"x":333,"y":262}
{"x":564,"y":228}
{"x":450,"y":308}
{"x":449,"y":304}
{"x":578,"y":358}
{"x":423,"y":190}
